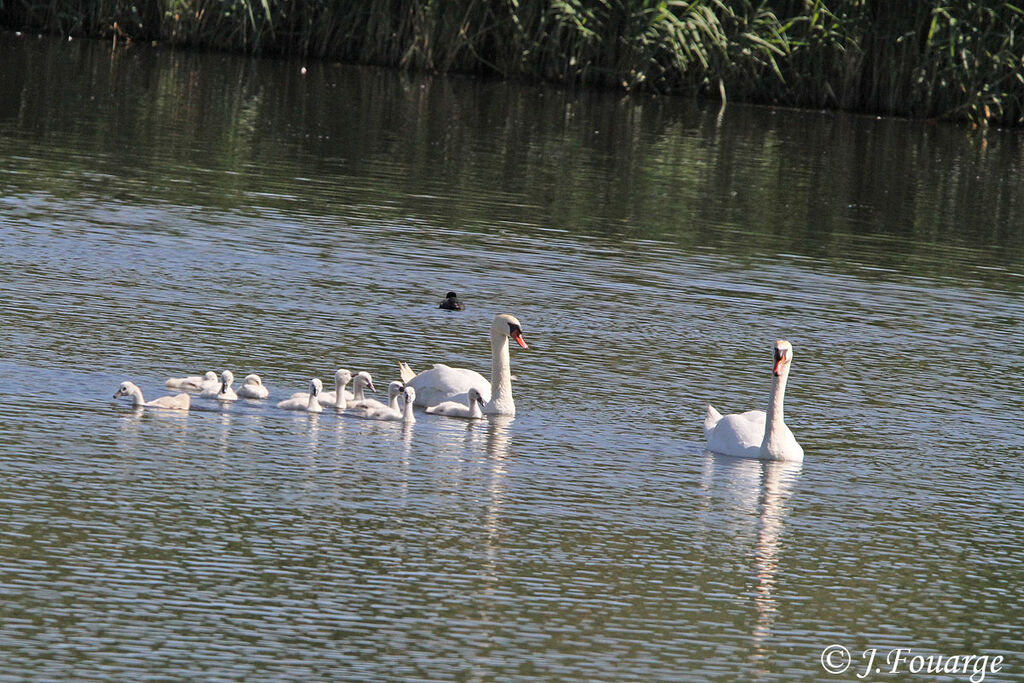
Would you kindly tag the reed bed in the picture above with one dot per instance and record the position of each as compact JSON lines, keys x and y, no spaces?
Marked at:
{"x":954,"y":59}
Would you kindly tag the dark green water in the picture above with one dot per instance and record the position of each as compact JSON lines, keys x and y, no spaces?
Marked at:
{"x":164,"y":214}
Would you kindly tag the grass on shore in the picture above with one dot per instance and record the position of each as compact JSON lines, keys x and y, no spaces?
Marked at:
{"x":955,"y":59}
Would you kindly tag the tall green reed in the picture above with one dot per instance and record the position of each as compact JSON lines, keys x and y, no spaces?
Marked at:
{"x":932,"y":58}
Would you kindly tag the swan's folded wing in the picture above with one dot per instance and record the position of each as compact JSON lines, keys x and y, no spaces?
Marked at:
{"x":710,"y":420}
{"x":446,"y":408}
{"x":738,"y":434}
{"x":368,"y":404}
{"x":192,"y":382}
{"x":444,"y":383}
{"x":376,"y":413}
{"x":405,"y":371}
{"x":179,"y":402}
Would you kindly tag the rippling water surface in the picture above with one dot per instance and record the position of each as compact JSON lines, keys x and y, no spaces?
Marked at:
{"x":164,"y":214}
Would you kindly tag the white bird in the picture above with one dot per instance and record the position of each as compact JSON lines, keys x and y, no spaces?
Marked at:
{"x":455,"y":409}
{"x":310,"y":403}
{"x":403,"y":413}
{"x":445,"y":383}
{"x":330,"y":398}
{"x":222,"y":392}
{"x":194,"y":382}
{"x":352,"y":399}
{"x":252,"y":387}
{"x":394,"y":389}
{"x":756,"y":434}
{"x":358,"y":399}
{"x":178,"y":402}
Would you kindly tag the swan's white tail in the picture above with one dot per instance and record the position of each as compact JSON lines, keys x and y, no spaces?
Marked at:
{"x":406,"y":372}
{"x":710,"y":420}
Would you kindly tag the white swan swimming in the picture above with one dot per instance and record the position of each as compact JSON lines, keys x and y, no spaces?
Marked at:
{"x":178,"y":402}
{"x":194,"y":382}
{"x":223,"y":391}
{"x":351,"y":399}
{"x":358,"y":399}
{"x":394,"y":389}
{"x":310,"y":403}
{"x":330,"y":398}
{"x":445,"y":383}
{"x":406,"y":399}
{"x":455,"y":409}
{"x":756,"y":434}
{"x":252,"y":387}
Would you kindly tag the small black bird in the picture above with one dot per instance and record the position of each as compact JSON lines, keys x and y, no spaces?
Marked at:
{"x":451,"y":302}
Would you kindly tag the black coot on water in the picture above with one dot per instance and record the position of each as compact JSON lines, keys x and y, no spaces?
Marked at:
{"x":451,"y":302}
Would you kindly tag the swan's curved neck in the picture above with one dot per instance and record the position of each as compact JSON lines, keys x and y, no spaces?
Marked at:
{"x":501,"y":376}
{"x":136,"y":395}
{"x":357,"y":392}
{"x":313,"y":403}
{"x":774,"y":418}
{"x":340,"y":401}
{"x":407,"y":415}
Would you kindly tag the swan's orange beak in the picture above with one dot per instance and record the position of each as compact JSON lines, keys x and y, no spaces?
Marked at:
{"x":778,"y":365}
{"x":518,"y":336}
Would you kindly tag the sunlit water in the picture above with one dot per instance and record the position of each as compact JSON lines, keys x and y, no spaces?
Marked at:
{"x":165,"y":214}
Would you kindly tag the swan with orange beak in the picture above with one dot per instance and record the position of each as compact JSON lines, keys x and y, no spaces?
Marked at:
{"x":756,"y":433}
{"x":445,"y":383}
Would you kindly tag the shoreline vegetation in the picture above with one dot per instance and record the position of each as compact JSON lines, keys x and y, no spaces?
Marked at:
{"x":933,"y":59}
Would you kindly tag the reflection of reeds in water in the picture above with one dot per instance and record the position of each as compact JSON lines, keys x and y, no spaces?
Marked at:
{"x":953,"y":59}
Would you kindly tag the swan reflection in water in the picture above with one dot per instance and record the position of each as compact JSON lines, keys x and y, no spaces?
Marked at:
{"x":763,"y":487}
{"x":497,"y":442}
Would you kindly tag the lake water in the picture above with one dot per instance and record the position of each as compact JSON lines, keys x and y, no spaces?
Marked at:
{"x":166,"y":213}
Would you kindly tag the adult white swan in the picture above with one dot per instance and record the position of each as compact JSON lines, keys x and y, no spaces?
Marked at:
{"x":756,"y":434}
{"x":445,"y":383}
{"x":179,"y":402}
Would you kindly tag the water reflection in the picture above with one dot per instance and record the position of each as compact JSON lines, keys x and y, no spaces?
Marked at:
{"x":311,"y":457}
{"x":224,"y":435}
{"x":777,"y":482}
{"x":403,"y":484}
{"x":497,"y":448}
{"x":589,"y":163}
{"x":134,"y":417}
{"x":355,"y":203}
{"x":745,"y":487}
